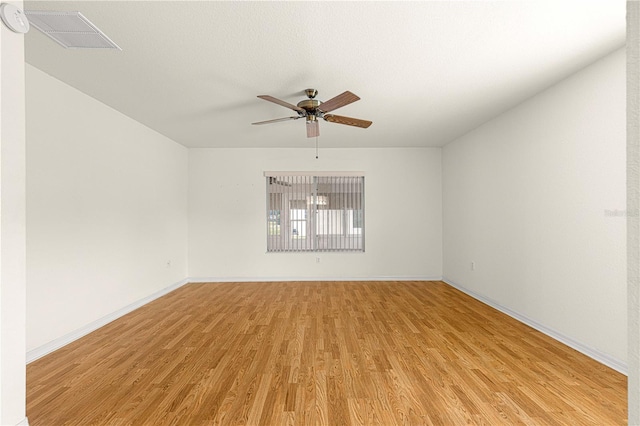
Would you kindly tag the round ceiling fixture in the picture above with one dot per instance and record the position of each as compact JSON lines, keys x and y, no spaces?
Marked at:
{"x":14,"y":18}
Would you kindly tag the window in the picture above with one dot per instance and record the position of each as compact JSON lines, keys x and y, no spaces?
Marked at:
{"x":315,"y":212}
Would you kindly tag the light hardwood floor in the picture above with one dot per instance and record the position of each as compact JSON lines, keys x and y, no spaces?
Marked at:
{"x":320,"y":353}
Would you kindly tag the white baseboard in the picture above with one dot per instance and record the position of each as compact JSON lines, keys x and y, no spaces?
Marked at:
{"x":595,"y":354}
{"x":274,"y":279}
{"x":47,"y":348}
{"x":23,"y":422}
{"x":58,"y":343}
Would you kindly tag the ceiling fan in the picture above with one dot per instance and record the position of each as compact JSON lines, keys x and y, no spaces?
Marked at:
{"x":312,"y":109}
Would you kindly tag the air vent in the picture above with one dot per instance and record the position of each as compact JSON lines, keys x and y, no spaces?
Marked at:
{"x":70,"y":29}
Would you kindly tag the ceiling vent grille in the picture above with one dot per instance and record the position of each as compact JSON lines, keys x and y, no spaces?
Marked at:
{"x":70,"y":29}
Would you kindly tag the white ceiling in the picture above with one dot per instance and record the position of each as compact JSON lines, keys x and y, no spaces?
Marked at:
{"x":427,"y":72}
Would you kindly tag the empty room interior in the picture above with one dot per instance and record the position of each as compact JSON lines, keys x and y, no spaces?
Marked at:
{"x":192,"y":232}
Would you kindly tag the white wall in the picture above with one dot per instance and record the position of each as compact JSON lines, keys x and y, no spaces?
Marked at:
{"x":526,"y":196}
{"x":106,"y":210}
{"x":403,"y":214}
{"x":12,"y":227}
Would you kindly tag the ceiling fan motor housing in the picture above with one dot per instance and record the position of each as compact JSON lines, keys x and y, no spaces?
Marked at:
{"x":309,"y":105}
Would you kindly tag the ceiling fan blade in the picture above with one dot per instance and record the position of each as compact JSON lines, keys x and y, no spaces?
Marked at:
{"x":313,"y":129}
{"x":280,"y":102}
{"x":339,"y":101}
{"x":276,"y":120}
{"x":348,"y":121}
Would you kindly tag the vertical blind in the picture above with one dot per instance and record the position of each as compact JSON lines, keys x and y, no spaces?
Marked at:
{"x":315,"y":213}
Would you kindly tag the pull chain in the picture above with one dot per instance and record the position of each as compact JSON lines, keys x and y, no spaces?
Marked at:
{"x":316,"y":147}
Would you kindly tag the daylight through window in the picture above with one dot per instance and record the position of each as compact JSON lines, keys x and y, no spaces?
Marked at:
{"x":315,"y":213}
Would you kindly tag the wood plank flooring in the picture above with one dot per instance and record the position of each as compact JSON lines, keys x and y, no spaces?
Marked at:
{"x":320,"y":353}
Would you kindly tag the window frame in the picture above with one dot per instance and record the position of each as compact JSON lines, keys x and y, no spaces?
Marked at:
{"x":314,"y":240}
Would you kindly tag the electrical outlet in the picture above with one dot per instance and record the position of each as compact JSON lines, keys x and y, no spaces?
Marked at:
{"x":168,"y":264}
{"x":473,"y":266}
{"x":317,"y":260}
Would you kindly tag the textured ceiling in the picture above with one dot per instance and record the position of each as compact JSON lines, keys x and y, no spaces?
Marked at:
{"x":427,"y":72}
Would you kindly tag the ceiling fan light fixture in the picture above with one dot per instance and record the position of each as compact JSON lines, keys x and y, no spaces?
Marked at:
{"x":71,"y":30}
